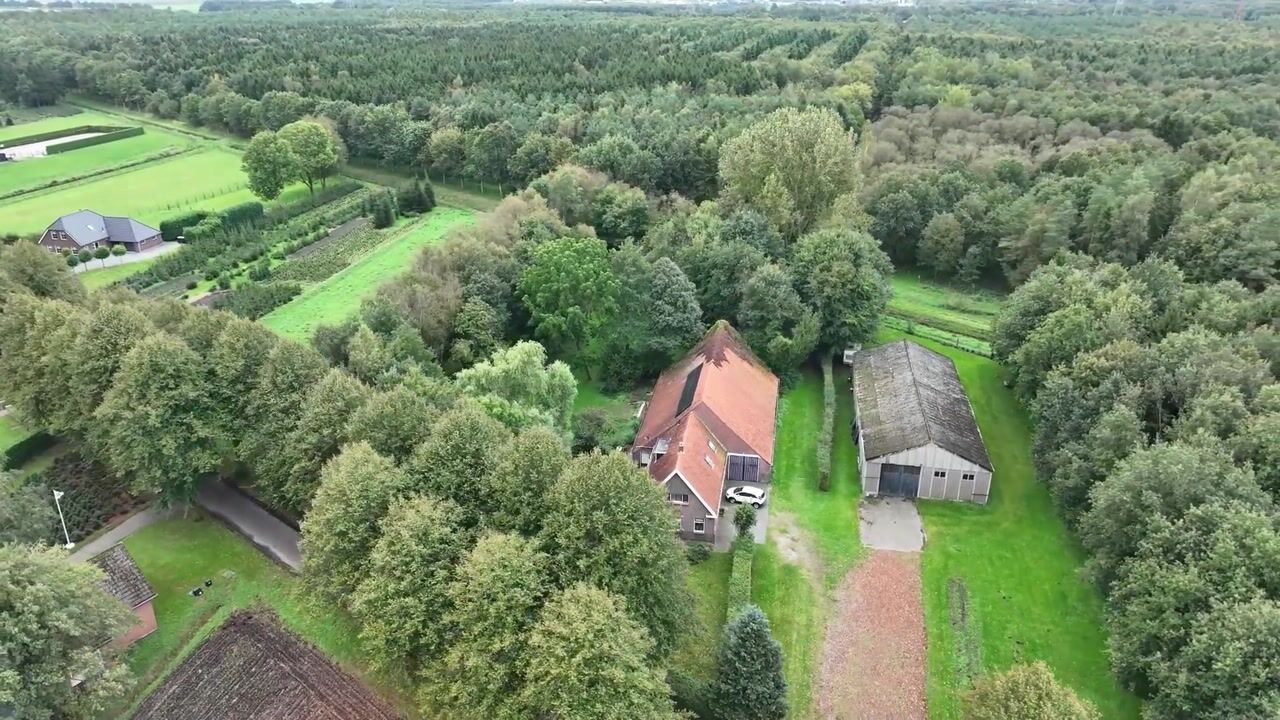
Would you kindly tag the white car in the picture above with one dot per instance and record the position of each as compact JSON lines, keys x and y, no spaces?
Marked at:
{"x":754,"y":497}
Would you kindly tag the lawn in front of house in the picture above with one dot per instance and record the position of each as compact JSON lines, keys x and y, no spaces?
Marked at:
{"x":1019,"y":564}
{"x":102,"y":277}
{"x":699,"y":647}
{"x":794,"y":586}
{"x":178,"y":555}
{"x":339,"y":296}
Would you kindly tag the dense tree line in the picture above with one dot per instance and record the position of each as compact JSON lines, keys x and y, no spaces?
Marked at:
{"x":1157,"y":416}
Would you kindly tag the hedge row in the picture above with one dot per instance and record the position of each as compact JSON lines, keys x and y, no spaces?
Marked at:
{"x":828,"y":423}
{"x":20,"y":452}
{"x":175,"y":227}
{"x":96,"y":140}
{"x":55,"y":134}
{"x":744,"y":550}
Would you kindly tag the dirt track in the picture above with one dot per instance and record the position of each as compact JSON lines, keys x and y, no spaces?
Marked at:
{"x":873,"y":656}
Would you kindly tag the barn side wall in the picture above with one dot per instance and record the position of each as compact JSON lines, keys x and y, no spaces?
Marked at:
{"x":932,"y":459}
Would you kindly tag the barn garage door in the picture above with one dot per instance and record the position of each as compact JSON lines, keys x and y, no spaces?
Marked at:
{"x":899,"y":480}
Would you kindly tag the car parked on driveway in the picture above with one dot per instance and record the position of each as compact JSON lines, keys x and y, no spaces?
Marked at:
{"x":746,"y":495}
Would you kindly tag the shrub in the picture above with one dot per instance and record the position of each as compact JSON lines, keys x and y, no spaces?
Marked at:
{"x":173,"y":227}
{"x":744,"y":550}
{"x":691,"y":694}
{"x":23,"y":450}
{"x":828,"y":423}
{"x":750,"y":684}
{"x":697,"y":552}
{"x":744,"y":518}
{"x":243,"y":214}
{"x":253,"y":300}
{"x":192,"y":284}
{"x":1025,"y":692}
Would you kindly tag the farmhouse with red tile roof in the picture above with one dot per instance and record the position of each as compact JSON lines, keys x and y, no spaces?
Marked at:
{"x":709,"y":423}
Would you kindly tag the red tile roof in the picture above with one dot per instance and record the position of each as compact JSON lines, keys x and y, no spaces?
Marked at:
{"x":735,"y":394}
{"x":697,"y":456}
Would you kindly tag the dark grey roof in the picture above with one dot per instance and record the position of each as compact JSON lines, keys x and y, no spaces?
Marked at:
{"x":87,"y":226}
{"x":909,"y":396}
{"x":124,"y":580}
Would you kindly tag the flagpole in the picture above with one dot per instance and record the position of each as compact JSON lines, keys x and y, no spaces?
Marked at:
{"x":57,"y":497}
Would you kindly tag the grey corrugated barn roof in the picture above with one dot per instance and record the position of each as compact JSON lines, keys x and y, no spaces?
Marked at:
{"x":87,"y":226}
{"x":124,"y":580}
{"x":909,"y":396}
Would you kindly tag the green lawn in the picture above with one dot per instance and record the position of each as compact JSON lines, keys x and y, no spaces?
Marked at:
{"x":50,"y":124}
{"x":10,"y":432}
{"x":944,"y":307}
{"x":102,"y":277}
{"x":178,"y":555}
{"x":209,"y":180}
{"x":797,"y":601}
{"x":96,"y":159}
{"x":458,"y":194}
{"x":698,"y":648}
{"x":1019,"y":564}
{"x":339,"y":296}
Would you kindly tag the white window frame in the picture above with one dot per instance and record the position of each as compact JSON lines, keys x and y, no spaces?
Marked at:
{"x":699,"y":526}
{"x":674,"y":498}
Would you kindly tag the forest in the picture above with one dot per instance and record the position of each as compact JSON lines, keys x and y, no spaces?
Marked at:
{"x":1114,"y":174}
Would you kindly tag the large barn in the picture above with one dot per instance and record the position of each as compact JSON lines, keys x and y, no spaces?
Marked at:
{"x":916,"y":433}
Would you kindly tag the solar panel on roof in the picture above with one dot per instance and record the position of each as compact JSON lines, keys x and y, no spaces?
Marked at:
{"x":690,"y":387}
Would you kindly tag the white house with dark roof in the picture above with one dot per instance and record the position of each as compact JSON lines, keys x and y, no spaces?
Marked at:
{"x":916,"y":433}
{"x":88,"y":230}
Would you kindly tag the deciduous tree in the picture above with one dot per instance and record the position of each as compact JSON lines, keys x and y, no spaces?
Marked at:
{"x":844,"y":276}
{"x":1025,"y":692}
{"x":270,"y":164}
{"x":587,"y":659}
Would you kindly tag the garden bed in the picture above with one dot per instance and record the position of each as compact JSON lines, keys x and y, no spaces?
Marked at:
{"x":93,"y":497}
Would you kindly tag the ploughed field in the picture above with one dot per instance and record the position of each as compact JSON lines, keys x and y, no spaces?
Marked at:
{"x":253,"y":669}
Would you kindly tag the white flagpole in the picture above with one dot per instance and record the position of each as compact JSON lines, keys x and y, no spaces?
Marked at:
{"x":57,"y":496}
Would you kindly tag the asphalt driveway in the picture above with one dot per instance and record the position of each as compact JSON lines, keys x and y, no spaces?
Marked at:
{"x":726,"y":532}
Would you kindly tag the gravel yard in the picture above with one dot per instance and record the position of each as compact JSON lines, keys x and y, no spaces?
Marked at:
{"x":873,"y":656}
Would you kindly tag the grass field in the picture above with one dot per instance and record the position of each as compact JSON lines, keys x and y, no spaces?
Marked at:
{"x":180,"y":554}
{"x":338,"y":297}
{"x":10,"y":432}
{"x":208,"y":180}
{"x":709,"y":581}
{"x":947,"y":308}
{"x":50,"y":124}
{"x":1018,"y":562}
{"x":457,"y":194}
{"x":96,"y":159}
{"x":102,"y":277}
{"x":797,"y":598}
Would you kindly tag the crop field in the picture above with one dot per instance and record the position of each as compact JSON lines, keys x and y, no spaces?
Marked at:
{"x":206,"y":180}
{"x":254,"y":669}
{"x":338,"y":297}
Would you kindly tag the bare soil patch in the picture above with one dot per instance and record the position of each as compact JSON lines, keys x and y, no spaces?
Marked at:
{"x":794,"y":547}
{"x":873,"y":655}
{"x":252,"y":669}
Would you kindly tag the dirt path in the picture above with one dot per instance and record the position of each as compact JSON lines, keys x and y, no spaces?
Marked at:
{"x":873,"y":655}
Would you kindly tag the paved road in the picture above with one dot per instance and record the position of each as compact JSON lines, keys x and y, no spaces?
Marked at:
{"x":127,"y":258}
{"x":136,"y":522}
{"x":271,"y":535}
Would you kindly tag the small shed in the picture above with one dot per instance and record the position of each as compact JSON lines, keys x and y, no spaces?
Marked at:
{"x":915,"y":429}
{"x":125,"y":582}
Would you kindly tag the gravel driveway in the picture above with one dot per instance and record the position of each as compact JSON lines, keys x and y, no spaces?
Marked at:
{"x":873,"y":656}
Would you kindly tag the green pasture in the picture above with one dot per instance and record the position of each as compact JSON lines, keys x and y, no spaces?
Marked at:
{"x":96,"y":159}
{"x":962,"y":312}
{"x":102,"y":277}
{"x":699,"y":646}
{"x":10,"y":433}
{"x":338,"y":297}
{"x":50,"y":124}
{"x":204,"y":180}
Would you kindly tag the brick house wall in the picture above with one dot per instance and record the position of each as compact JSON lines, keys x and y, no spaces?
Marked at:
{"x":58,"y":240}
